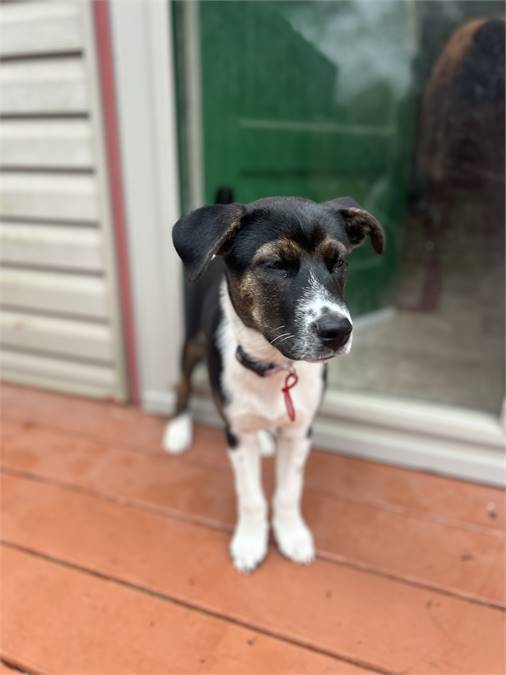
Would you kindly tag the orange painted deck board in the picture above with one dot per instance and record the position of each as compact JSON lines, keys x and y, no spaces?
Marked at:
{"x":330,"y":607}
{"x":410,"y":575}
{"x":444,"y":553}
{"x":125,"y":427}
{"x":64,"y":621}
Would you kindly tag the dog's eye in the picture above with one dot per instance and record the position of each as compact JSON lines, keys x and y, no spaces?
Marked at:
{"x":277,"y":264}
{"x":335,"y":263}
{"x":273,"y":264}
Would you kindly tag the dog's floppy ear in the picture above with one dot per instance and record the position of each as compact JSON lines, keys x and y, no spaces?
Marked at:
{"x":204,"y":233}
{"x":359,"y":223}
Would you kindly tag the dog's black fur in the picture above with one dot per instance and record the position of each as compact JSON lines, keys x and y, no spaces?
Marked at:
{"x":298,"y":238}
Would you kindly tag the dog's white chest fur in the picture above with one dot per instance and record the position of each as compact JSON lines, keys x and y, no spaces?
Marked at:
{"x":258,"y":403}
{"x":254,"y":402}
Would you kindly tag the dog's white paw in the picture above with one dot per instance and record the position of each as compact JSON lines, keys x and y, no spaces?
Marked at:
{"x":248,"y":547}
{"x":267,"y":443}
{"x":294,"y":538}
{"x":178,"y":434}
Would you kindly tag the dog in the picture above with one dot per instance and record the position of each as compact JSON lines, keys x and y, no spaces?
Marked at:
{"x":267,"y":310}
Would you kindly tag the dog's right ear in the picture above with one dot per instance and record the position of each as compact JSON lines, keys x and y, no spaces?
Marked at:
{"x":204,"y":233}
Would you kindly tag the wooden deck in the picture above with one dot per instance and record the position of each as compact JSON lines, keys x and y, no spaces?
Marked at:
{"x":114,"y":559}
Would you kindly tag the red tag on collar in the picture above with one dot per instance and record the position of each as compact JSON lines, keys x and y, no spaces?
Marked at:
{"x":290,"y":381}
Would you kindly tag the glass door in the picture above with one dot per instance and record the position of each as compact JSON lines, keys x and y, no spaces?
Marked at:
{"x":399,"y":104}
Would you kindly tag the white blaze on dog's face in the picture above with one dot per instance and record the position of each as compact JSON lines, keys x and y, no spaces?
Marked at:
{"x":324,"y":322}
{"x":286,"y":260}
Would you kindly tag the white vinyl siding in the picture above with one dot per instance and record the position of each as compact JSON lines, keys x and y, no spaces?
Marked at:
{"x":39,"y":87}
{"x":46,"y":144}
{"x":59,"y":318}
{"x":53,"y":246}
{"x":41,"y":28}
{"x":49,"y":196}
{"x":66,"y":294}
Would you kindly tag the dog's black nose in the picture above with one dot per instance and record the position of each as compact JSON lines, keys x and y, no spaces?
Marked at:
{"x":333,"y":330}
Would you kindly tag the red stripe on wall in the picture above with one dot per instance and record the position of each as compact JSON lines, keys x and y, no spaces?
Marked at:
{"x":113,"y":157}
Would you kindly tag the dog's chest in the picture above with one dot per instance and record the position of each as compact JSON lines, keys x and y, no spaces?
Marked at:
{"x":257,"y":403}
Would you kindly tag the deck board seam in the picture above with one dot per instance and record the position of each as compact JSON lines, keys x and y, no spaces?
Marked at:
{"x":178,"y":516}
{"x":14,"y":665}
{"x":194,"y":607}
{"x":381,"y":505}
{"x":151,"y":446}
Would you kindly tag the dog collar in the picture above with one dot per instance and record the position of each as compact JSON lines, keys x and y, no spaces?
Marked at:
{"x":266,"y":369}
{"x":260,"y":368}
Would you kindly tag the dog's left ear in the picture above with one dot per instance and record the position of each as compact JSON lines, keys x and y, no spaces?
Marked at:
{"x":359,"y":223}
{"x":204,"y":233}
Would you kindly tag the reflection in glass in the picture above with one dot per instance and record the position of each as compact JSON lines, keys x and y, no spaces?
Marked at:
{"x":399,"y":104}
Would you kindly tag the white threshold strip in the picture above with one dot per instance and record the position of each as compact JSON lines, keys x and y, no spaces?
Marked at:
{"x":435,"y":438}
{"x":441,"y":439}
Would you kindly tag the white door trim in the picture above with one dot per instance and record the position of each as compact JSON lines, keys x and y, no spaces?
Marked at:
{"x":190,"y":19}
{"x":146,"y":99}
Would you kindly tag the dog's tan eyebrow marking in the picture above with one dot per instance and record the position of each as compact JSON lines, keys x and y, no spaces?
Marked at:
{"x":329,"y":247}
{"x":284,"y":247}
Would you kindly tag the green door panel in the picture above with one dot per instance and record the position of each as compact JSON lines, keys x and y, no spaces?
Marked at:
{"x":313,"y":99}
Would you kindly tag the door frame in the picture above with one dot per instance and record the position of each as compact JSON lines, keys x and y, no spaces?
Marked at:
{"x":146,"y":102}
{"x":432,"y":437}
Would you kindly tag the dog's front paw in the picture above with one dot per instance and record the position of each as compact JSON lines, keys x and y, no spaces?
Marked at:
{"x":178,"y":434}
{"x":248,"y":546}
{"x":294,"y":538}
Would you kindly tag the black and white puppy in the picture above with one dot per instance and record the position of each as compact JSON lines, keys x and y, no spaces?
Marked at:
{"x":268,"y":314}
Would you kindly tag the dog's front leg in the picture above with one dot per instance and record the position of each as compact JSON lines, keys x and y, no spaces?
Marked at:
{"x":292,"y":535}
{"x":249,"y":543}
